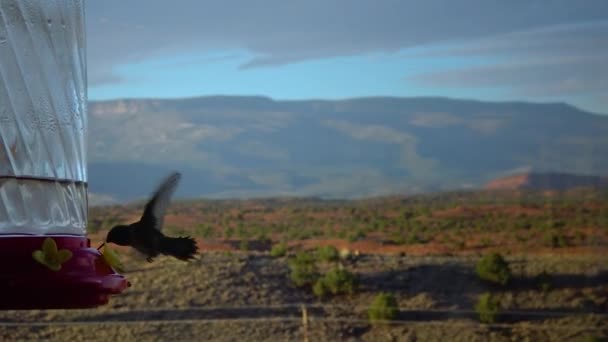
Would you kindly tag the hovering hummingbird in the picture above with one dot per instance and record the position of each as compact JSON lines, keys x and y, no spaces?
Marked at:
{"x":146,"y":234}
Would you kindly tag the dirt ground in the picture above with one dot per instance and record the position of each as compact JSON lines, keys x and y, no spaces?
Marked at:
{"x":423,"y":250}
{"x":226,"y":296}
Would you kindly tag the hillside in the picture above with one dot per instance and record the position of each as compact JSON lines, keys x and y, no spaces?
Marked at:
{"x":231,"y":146}
{"x":546,"y":181}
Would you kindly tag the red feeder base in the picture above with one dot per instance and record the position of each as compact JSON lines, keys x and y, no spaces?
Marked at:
{"x":84,"y":281}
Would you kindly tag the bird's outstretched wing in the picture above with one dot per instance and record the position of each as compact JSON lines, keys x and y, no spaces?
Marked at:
{"x":154,"y":212}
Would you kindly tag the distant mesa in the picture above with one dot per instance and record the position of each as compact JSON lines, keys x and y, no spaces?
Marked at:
{"x":254,"y":146}
{"x":546,"y":181}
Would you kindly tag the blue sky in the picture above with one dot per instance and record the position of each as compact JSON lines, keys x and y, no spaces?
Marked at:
{"x":544,"y":51}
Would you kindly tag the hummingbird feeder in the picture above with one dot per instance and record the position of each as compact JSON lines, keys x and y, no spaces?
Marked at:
{"x":46,"y":259}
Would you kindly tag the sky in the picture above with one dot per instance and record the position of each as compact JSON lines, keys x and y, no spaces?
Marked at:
{"x":496,"y":50}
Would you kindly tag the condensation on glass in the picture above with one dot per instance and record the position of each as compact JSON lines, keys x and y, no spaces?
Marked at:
{"x":43,"y":118}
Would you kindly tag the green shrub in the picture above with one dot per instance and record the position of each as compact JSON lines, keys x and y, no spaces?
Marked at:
{"x":278,"y":250}
{"x":319,"y":288}
{"x":244,"y":245}
{"x":262,"y":235}
{"x":299,"y":234}
{"x":303,"y":270}
{"x":487,"y":308}
{"x":486,"y":242}
{"x":327,"y":253}
{"x":356,"y":235}
{"x":413,"y":239}
{"x":229,"y":232}
{"x":555,"y":240}
{"x":337,"y":281}
{"x":493,"y":268}
{"x":241,"y":232}
{"x":410,"y":238}
{"x":398,"y":239}
{"x":205,"y":231}
{"x":383,"y":308}
{"x":178,"y":231}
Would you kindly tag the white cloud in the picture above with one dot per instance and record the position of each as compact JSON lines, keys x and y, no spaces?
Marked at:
{"x":285,"y":32}
{"x":549,"y":62}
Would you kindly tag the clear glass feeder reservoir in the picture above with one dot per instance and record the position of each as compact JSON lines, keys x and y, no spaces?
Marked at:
{"x":43,"y":170}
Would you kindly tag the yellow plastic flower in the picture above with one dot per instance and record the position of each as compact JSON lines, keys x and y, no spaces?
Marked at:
{"x":112,"y":259}
{"x":50,"y":257}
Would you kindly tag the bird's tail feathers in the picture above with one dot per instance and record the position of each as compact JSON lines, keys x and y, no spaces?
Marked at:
{"x":183,"y":248}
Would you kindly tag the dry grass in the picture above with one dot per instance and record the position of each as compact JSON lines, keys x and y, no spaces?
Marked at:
{"x":232,"y":297}
{"x":558,"y":293}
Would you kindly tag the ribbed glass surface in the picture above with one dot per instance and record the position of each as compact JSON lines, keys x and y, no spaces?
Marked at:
{"x":43,"y":118}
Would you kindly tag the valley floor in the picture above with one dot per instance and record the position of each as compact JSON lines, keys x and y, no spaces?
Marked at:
{"x":229,"y":296}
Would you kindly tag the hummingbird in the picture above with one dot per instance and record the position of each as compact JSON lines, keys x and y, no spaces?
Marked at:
{"x":146,"y":235}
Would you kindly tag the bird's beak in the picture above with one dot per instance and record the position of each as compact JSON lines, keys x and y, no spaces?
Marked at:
{"x":103,"y":244}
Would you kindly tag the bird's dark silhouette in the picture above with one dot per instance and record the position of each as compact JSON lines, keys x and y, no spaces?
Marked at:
{"x":146,"y":234}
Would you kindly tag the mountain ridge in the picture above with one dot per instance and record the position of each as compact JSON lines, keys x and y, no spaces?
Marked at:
{"x":354,"y":147}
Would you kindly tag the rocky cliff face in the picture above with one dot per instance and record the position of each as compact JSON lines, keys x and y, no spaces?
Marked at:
{"x":255,"y":146}
{"x":546,"y":181}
